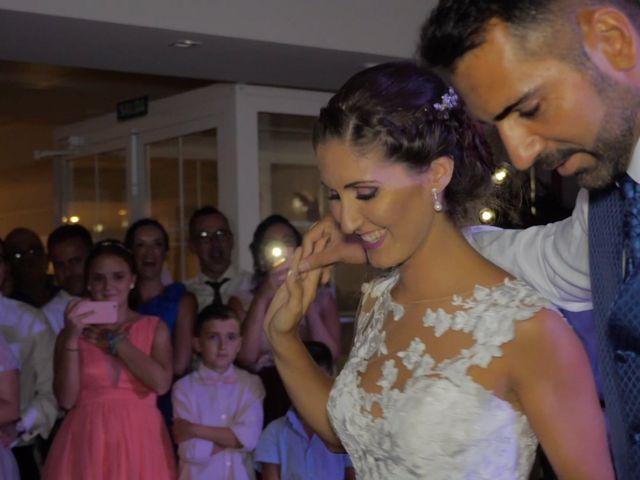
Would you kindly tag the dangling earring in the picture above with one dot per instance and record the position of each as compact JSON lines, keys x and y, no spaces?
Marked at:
{"x":132,"y":286}
{"x":437,"y":204}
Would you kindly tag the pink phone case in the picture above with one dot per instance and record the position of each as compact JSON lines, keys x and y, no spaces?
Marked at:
{"x":102,"y":312}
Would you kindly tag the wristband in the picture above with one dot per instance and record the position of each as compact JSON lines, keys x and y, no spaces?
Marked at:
{"x":113,"y":339}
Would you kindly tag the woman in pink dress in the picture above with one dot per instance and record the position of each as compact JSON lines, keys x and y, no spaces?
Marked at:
{"x":108,"y":377}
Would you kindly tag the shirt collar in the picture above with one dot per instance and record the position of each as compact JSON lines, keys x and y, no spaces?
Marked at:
{"x":229,"y":273}
{"x":634,"y":166}
{"x":296,"y":424}
{"x":211,"y":376}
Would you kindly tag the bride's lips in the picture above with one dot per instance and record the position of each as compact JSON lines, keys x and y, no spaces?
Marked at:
{"x":372,"y":240}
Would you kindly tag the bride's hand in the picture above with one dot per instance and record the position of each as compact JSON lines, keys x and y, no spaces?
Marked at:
{"x":337,"y":247}
{"x":292,"y":300}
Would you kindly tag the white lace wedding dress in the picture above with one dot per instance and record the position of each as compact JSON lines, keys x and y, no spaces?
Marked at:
{"x":424,"y":419}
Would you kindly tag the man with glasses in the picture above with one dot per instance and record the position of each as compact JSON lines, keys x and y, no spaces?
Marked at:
{"x":31,"y":340}
{"x":28,"y":260}
{"x":211,"y":240}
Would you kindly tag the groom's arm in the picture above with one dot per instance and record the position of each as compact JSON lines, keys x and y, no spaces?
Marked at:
{"x":552,"y":258}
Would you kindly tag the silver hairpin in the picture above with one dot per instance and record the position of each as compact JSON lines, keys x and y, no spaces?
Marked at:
{"x":448,"y":101}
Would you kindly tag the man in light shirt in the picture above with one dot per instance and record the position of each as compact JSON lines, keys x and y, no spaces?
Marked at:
{"x":560,"y":82}
{"x":31,"y":339}
{"x":211,"y":240}
{"x":68,"y":247}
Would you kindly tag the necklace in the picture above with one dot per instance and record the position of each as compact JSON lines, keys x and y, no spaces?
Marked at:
{"x":449,"y":296}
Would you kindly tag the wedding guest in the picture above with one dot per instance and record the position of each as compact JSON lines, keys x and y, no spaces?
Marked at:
{"x":211,"y":240}
{"x":149,"y":242}
{"x":218,"y":408}
{"x":289,"y":448}
{"x":9,"y":407}
{"x":28,"y":260}
{"x":321,"y":322}
{"x":108,"y":377}
{"x":68,"y":247}
{"x":31,"y":339}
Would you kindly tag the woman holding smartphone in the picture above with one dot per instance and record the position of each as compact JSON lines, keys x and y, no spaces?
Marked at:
{"x":108,"y":376}
{"x":274,"y":241}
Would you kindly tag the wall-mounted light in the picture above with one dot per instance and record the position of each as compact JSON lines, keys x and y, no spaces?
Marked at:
{"x":74,"y":219}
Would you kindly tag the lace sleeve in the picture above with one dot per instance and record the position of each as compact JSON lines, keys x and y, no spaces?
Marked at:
{"x":7,"y":360}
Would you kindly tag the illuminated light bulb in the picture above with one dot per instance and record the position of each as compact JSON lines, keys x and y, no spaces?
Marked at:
{"x":98,"y":227}
{"x":122,"y":212}
{"x":500,"y":175}
{"x":487,"y":216}
{"x":74,"y":219}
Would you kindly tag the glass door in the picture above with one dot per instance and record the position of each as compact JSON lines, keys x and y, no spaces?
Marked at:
{"x":96,"y":195}
{"x":182,"y":176}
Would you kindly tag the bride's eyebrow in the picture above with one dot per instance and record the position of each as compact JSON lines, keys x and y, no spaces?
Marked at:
{"x":358,"y":183}
{"x":361,"y":183}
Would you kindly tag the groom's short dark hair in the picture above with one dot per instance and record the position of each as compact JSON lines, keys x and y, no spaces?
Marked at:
{"x":455,"y":27}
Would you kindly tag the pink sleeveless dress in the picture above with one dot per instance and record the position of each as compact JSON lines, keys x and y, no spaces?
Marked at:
{"x":115,"y":431}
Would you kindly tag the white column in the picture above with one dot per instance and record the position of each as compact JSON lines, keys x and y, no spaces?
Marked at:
{"x":238,"y":172}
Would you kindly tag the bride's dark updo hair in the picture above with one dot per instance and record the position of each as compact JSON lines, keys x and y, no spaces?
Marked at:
{"x":415,"y":118}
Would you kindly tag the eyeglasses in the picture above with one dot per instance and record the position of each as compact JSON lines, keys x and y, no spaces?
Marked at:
{"x":25,"y":254}
{"x":209,"y":236}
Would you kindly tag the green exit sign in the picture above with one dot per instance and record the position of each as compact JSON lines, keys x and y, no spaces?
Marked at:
{"x":136,"y":107}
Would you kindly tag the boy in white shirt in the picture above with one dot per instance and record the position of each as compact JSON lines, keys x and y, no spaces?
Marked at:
{"x":218,"y":408}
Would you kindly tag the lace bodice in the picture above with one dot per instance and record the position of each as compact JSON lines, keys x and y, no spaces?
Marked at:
{"x":428,"y":418}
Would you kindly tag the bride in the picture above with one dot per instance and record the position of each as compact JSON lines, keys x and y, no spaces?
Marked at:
{"x":457,"y":370}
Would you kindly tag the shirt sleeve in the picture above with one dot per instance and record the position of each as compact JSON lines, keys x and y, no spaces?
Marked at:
{"x":268,"y":450}
{"x":39,"y":415}
{"x":247,"y":423}
{"x":7,"y":360}
{"x":553,"y":258}
{"x":196,"y":450}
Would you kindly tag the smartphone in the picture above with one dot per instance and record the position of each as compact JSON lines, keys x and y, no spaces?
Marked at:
{"x":101,"y":312}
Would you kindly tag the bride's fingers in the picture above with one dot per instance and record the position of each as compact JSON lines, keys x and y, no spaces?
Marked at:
{"x":312,"y":278}
{"x":315,"y":232}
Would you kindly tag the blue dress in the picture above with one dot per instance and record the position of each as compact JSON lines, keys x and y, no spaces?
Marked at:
{"x":166,"y":306}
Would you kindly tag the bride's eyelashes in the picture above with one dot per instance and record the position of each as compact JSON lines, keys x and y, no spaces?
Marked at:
{"x":366,"y":193}
{"x":362,"y":193}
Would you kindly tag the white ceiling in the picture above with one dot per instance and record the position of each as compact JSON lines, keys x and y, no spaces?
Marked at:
{"x":46,"y":39}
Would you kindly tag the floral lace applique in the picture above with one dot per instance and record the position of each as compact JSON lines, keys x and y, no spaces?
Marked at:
{"x":442,"y":424}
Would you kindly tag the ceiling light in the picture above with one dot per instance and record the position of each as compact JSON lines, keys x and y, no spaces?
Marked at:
{"x":185,"y":43}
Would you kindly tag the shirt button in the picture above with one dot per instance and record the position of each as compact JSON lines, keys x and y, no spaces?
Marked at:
{"x":223,"y":416}
{"x":623,"y":356}
{"x":636,"y":438}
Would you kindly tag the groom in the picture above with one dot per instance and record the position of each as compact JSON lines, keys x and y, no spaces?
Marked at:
{"x":560,"y":82}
